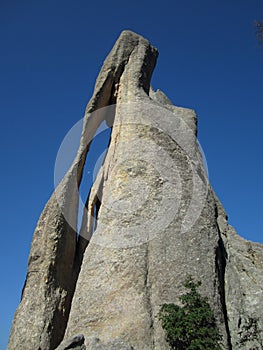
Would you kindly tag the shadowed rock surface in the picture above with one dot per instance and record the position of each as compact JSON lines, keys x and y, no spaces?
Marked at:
{"x":156,"y":221}
{"x":76,"y":342}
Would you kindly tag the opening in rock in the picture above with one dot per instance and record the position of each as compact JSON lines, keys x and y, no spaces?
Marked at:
{"x":97,"y":205}
{"x":95,"y":158}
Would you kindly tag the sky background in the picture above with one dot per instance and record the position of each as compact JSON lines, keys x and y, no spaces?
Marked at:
{"x":51,"y":53}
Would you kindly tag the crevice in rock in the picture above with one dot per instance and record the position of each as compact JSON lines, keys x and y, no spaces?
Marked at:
{"x":220,"y":264}
{"x":89,"y":216}
{"x":88,"y":171}
{"x":93,"y":202}
{"x":97,"y":205}
{"x":149,"y":296}
{"x":87,"y":161}
{"x":94,"y":161}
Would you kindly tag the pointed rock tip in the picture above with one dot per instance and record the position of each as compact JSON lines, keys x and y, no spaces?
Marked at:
{"x":129,"y":33}
{"x":128,"y":36}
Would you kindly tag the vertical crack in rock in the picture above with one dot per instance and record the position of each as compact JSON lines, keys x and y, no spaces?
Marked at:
{"x":148,"y":291}
{"x":220,"y":267}
{"x":89,"y":220}
{"x":220,"y":263}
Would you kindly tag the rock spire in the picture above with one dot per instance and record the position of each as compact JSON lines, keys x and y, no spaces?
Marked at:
{"x":151,"y":219}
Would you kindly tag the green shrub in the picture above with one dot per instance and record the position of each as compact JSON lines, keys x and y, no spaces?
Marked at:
{"x":192,"y":326}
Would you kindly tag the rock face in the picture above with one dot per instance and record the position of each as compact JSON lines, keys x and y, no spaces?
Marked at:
{"x":151,"y":219}
{"x":76,"y":342}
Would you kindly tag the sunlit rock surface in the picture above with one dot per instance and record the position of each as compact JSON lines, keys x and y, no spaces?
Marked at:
{"x":151,"y":220}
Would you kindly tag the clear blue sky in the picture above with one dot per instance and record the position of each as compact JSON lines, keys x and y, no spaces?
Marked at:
{"x":51,"y":53}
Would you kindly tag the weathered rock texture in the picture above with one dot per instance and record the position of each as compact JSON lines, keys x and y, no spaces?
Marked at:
{"x":157,"y":221}
{"x":76,"y":342}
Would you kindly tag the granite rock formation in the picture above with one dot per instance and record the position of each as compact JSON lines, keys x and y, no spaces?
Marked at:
{"x":151,"y":219}
{"x":76,"y":342}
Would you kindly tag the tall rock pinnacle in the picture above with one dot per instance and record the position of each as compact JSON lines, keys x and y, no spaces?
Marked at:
{"x":151,"y":220}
